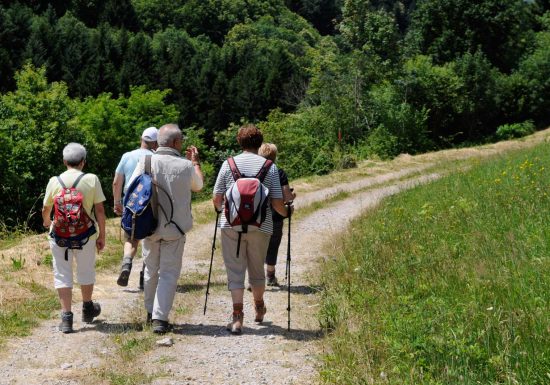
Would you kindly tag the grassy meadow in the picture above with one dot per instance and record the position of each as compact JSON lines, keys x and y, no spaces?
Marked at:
{"x":448,"y":283}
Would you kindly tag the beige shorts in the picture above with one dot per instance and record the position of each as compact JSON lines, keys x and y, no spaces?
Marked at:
{"x":251,"y":257}
{"x":63,"y":270}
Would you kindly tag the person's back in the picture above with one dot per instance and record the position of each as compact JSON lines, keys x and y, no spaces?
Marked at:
{"x":89,"y":187}
{"x":173,"y":174}
{"x":121,"y":181}
{"x":175,"y":178}
{"x":249,"y":164}
{"x":250,"y":257}
{"x":128,"y":163}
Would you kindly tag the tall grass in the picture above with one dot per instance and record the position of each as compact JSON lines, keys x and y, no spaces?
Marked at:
{"x":448,"y":283}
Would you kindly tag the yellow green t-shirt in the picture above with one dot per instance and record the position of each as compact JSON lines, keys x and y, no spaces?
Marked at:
{"x":89,"y":186}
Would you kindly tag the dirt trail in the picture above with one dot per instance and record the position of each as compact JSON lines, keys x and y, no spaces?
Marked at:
{"x":203,"y":351}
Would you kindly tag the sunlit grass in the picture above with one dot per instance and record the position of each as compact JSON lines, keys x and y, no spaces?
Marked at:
{"x":17,"y":318}
{"x":447,"y":283}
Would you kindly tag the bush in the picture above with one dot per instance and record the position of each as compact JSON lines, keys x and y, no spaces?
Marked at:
{"x":515,"y":130}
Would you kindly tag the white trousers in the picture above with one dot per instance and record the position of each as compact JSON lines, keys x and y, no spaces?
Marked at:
{"x":163,"y":259}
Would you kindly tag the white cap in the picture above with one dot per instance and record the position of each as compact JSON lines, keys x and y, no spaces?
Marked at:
{"x":150,"y":134}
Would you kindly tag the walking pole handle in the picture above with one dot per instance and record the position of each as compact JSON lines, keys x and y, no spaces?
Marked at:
{"x":211,"y":261}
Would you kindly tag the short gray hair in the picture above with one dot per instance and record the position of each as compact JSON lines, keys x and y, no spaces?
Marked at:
{"x":74,"y":153}
{"x":168,"y":133}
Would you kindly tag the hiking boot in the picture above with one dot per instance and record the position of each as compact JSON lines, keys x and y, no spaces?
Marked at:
{"x":272,"y":280}
{"x":90,"y":310}
{"x":236,"y":325}
{"x":260,"y":312}
{"x":160,"y":326}
{"x":124,"y":274}
{"x":141,"y":280}
{"x":149,"y":320}
{"x":66,"y":325}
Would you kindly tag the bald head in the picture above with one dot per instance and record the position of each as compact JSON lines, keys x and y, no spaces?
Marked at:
{"x":168,"y":135}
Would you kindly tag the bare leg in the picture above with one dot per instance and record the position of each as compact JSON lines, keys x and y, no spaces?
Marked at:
{"x":65,"y":298}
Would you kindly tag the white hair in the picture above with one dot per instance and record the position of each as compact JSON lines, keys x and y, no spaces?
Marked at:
{"x":74,"y":153}
{"x":168,"y":133}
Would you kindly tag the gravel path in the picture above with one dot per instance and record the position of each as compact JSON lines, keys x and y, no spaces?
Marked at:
{"x":203,"y":352}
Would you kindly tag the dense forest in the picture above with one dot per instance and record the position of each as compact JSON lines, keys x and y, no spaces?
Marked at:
{"x":329,"y":81}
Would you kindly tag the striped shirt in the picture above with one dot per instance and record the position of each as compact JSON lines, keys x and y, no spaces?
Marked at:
{"x":249,"y":164}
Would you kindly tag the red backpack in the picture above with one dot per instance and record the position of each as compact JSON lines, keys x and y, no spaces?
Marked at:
{"x":246,"y":200}
{"x":72,"y":225}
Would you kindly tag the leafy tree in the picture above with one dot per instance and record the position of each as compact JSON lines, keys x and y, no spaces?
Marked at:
{"x":114,"y":126}
{"x":138,"y":62}
{"x":36,"y":121}
{"x":437,"y":89}
{"x":266,"y":65}
{"x":75,"y":55}
{"x":323,"y":14}
{"x":214,"y":18}
{"x":156,"y":15}
{"x":15,"y":25}
{"x":447,"y":29}
{"x":535,"y":69}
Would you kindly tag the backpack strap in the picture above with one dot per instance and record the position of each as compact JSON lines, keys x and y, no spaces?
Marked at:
{"x":61,"y":182}
{"x":155,"y":203}
{"x":77,"y":180}
{"x":233,"y":167}
{"x":148,"y":164}
{"x":74,"y":184}
{"x":263,"y":171}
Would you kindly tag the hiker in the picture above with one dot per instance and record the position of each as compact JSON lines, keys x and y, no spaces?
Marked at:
{"x":88,"y":198}
{"x":269,"y":151}
{"x":123,"y":172}
{"x":176,"y":177}
{"x":253,"y":244}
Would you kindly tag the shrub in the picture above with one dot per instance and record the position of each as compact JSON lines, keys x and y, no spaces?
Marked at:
{"x":515,"y":130}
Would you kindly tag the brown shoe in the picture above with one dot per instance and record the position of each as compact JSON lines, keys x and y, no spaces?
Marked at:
{"x":260,"y":312}
{"x":236,"y":325}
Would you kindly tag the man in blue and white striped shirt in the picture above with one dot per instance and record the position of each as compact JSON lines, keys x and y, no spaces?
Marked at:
{"x":254,"y":244}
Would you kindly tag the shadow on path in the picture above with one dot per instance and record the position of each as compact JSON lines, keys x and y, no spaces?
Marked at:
{"x":266,"y":329}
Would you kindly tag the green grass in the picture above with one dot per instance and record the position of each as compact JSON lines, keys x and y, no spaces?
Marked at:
{"x":448,"y":283}
{"x":18,"y":319}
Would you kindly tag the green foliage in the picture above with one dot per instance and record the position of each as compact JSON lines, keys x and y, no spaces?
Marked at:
{"x":36,"y":122}
{"x":18,"y":319}
{"x":402,"y":127}
{"x":305,"y":141}
{"x":515,"y":130}
{"x":447,"y":29}
{"x":114,"y":126}
{"x":17,"y":263}
{"x":446,"y":283}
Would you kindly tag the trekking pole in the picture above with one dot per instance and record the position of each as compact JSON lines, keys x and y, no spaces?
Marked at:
{"x":211,"y":259}
{"x":287,"y":274}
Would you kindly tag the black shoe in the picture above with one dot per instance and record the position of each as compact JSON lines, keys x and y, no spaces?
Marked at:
{"x":90,"y":310}
{"x":141,"y":280}
{"x":149,"y":320}
{"x":272,"y":280}
{"x":66,"y":325}
{"x":160,"y":326}
{"x":124,"y":274}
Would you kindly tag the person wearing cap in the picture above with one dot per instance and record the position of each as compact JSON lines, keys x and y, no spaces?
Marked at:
{"x":123,"y":172}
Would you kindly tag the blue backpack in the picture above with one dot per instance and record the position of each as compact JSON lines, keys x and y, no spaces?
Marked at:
{"x":139,"y":216}
{"x":138,"y":219}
